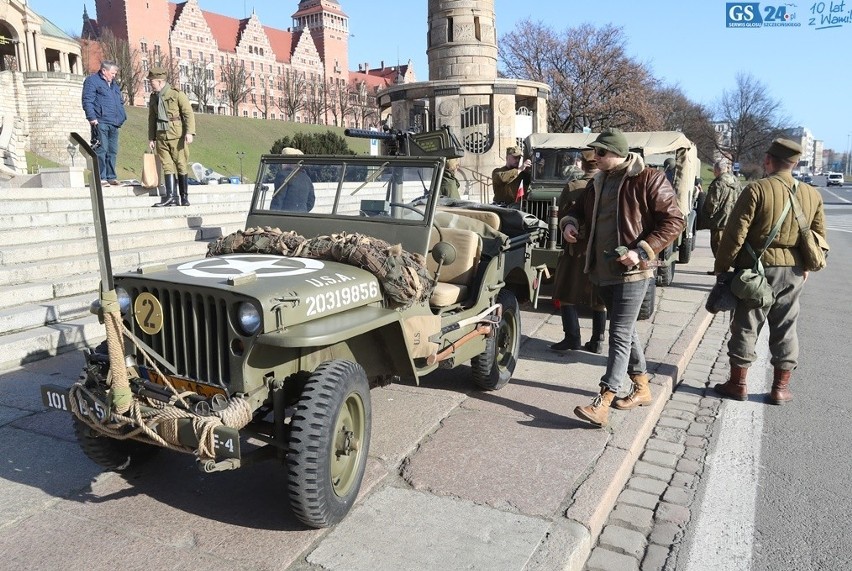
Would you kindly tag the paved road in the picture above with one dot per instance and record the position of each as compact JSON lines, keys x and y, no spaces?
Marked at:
{"x":768,"y":488}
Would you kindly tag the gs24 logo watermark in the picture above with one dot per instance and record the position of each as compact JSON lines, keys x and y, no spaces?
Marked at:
{"x":750,"y":15}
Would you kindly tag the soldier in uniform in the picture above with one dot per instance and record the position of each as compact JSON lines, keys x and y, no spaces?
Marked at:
{"x":171,"y":128}
{"x":508,"y":178}
{"x":449,"y":182}
{"x":754,"y":215}
{"x":571,"y":285}
{"x":721,"y":196}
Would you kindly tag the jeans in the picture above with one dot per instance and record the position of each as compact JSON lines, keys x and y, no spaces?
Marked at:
{"x":626,"y":355}
{"x":108,"y":150}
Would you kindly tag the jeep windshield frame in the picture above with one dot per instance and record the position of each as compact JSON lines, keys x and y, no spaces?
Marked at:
{"x":392,"y":198}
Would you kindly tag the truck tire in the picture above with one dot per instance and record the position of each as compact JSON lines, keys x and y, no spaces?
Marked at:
{"x":665,"y":274}
{"x":492,"y":369}
{"x":646,"y":310}
{"x":116,"y":455}
{"x":684,"y":251}
{"x":329,"y":442}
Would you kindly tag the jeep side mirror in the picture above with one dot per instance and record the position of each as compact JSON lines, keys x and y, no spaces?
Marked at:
{"x":443,"y":253}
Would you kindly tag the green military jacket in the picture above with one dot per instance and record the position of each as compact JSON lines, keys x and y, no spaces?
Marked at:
{"x":506,"y":182}
{"x":450,"y":185}
{"x":756,"y":212}
{"x":722,"y":194}
{"x":179,"y":110}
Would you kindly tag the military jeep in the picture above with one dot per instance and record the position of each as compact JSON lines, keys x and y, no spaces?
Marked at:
{"x":553,"y":156}
{"x":268,"y":347}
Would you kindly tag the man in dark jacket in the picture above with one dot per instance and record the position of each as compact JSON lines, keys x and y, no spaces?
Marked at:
{"x":294,"y":189}
{"x":104,"y":110}
{"x":631,"y":217}
{"x":755,"y":213}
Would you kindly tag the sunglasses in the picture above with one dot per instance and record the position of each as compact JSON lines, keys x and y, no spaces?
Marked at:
{"x":600,"y":152}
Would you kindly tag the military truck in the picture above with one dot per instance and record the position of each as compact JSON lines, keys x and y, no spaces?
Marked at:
{"x":268,"y":347}
{"x":553,"y":156}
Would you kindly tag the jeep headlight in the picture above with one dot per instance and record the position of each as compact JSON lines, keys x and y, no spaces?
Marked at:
{"x":248,"y":318}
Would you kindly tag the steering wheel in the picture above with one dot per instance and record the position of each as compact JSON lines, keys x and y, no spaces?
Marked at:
{"x":407,"y":207}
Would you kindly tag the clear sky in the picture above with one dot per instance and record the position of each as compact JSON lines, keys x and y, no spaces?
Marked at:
{"x":685,"y":42}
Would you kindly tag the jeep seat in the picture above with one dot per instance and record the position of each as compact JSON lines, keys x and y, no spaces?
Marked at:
{"x":455,"y":279}
{"x":492,"y":219}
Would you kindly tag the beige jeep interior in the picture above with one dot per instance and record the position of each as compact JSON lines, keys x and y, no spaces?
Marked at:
{"x":455,"y":279}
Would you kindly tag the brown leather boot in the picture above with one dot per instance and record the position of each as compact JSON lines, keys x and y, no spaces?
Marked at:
{"x":598,"y":412}
{"x":781,"y":387}
{"x":736,"y":387}
{"x":639,"y":396}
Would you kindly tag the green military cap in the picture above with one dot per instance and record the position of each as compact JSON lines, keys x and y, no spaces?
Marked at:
{"x":612,"y":140}
{"x":786,"y":150}
{"x":514,"y":152}
{"x":157,"y":73}
{"x":669,"y":163}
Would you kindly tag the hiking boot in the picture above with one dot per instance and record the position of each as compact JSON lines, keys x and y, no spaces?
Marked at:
{"x":567,"y":344}
{"x":640,"y":395}
{"x":598,"y":412}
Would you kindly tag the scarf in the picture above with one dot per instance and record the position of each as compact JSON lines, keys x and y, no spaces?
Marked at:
{"x":162,"y":114}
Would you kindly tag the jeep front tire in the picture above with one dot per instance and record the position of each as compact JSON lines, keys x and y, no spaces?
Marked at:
{"x":329,"y":442}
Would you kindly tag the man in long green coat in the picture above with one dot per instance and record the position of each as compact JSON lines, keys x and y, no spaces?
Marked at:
{"x":171,"y":129}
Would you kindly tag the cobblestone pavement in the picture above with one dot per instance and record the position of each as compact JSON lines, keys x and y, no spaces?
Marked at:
{"x":645,"y":528}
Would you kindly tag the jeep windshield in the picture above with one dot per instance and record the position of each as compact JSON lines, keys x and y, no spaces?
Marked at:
{"x":387,"y":197}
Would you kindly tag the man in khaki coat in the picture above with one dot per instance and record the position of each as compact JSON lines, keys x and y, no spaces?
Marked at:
{"x":171,"y":129}
{"x":508,"y":178}
{"x":754,"y":215}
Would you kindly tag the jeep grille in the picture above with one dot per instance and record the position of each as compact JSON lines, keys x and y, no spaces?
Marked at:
{"x":540,"y":209}
{"x":194,"y":337}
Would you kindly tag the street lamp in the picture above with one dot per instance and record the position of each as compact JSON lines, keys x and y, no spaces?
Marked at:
{"x":72,"y":151}
{"x":240,"y":155}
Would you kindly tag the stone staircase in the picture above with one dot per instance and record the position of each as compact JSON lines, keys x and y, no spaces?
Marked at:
{"x":49,"y":257}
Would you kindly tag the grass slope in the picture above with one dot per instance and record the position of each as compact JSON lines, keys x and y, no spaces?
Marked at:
{"x":217,"y":140}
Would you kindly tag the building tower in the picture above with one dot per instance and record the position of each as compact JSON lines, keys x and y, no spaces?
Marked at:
{"x":329,"y":28}
{"x":485,"y":112}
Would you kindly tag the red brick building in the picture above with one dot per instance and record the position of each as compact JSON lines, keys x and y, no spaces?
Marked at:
{"x":242,"y":67}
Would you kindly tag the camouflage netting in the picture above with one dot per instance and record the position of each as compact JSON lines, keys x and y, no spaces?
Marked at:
{"x":402,"y":275}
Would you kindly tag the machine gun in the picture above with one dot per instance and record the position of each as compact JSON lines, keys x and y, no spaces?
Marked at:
{"x":439,"y":143}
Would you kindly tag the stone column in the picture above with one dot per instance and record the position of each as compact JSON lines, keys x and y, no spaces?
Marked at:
{"x":21,"y":56}
{"x":31,"y":57}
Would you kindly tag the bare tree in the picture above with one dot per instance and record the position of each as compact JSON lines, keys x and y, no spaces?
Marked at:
{"x":262,"y":96}
{"x":339,"y":96}
{"x":293,"y":89}
{"x":755,"y":118}
{"x":677,"y":113}
{"x":593,"y":81}
{"x":235,"y":83}
{"x":315,"y":102}
{"x":201,"y":83}
{"x":128,"y":61}
{"x":365,"y":109}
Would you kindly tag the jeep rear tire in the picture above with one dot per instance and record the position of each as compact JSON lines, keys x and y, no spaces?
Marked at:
{"x":329,"y":442}
{"x":684,"y":251}
{"x":493,"y":368}
{"x":665,"y":274}
{"x":112,"y":454}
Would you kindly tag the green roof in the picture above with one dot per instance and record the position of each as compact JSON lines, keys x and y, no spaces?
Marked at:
{"x":48,"y":28}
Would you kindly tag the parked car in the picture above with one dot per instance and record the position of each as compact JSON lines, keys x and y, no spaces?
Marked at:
{"x":807,"y":178}
{"x":835,"y":179}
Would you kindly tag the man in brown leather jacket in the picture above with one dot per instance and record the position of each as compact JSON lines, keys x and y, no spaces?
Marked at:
{"x":632,"y":216}
{"x":754,"y":215}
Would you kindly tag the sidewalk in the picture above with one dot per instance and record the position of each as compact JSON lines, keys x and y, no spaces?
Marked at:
{"x":456,"y":478}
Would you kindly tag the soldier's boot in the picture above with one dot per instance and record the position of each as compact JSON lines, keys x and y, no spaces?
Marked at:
{"x":639,"y":396}
{"x":595,"y":344}
{"x":571,"y":327}
{"x":736,"y":387}
{"x":170,"y":199}
{"x":780,"y":393}
{"x":598,"y":412}
{"x":183,"y":186}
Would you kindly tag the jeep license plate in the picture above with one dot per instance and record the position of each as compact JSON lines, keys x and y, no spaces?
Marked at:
{"x":183,"y":385}
{"x":54,"y":396}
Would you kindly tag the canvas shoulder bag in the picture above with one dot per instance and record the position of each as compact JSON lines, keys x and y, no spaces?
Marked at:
{"x":813,"y":248}
{"x":750,"y":285}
